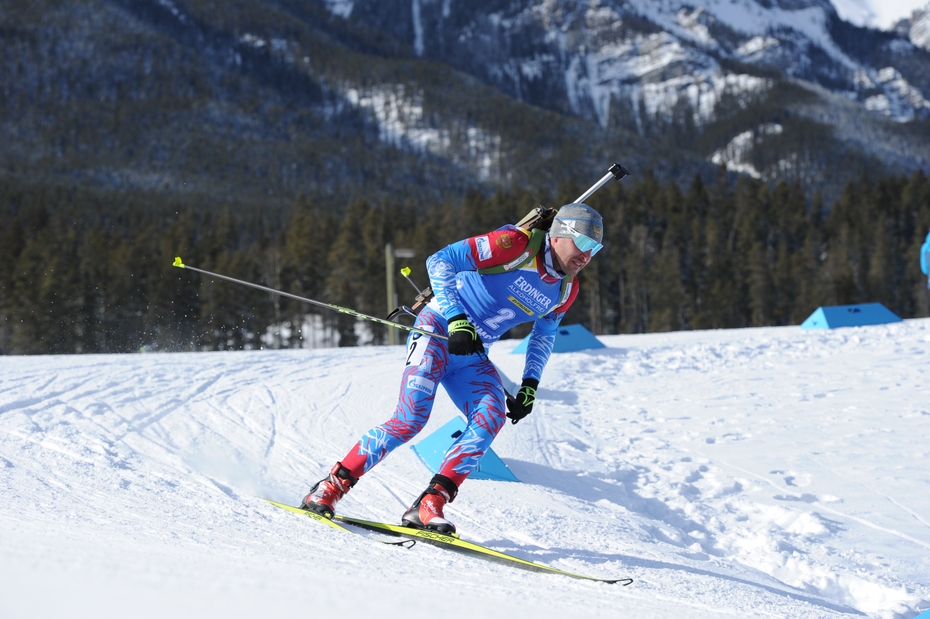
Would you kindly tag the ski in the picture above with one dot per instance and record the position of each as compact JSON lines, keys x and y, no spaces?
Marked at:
{"x":311,"y":515}
{"x":457,"y":544}
{"x":449,"y":542}
{"x":333,"y":525}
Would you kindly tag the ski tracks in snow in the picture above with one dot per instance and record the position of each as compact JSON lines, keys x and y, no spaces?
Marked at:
{"x":731,"y":472}
{"x":662,"y":454}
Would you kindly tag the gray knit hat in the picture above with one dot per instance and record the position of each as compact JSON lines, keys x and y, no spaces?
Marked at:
{"x":580,"y":217}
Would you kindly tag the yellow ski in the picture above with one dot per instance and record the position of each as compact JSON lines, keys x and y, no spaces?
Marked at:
{"x":311,"y":515}
{"x":457,"y":544}
{"x":333,"y":525}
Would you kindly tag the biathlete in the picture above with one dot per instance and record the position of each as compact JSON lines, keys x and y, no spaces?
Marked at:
{"x":483,"y":286}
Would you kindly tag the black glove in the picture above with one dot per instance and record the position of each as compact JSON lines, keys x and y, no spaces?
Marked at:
{"x":463,"y":339}
{"x":521,"y":404}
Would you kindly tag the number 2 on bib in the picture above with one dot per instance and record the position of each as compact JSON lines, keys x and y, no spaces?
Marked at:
{"x":503,"y":314}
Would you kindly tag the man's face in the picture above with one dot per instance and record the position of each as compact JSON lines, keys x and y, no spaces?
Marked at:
{"x":568,"y":258}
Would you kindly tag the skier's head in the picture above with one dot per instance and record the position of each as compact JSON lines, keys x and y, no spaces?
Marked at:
{"x":576,"y":235}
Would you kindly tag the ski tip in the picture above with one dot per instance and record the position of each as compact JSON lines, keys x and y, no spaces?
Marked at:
{"x":177,"y":262}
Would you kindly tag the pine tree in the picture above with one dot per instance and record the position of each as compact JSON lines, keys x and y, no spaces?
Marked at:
{"x":12,"y":242}
{"x":174,"y":310}
{"x":307,"y":240}
{"x":915,"y":205}
{"x":753,"y":207}
{"x":696,"y":206}
{"x":346,"y":281}
{"x":637,"y":279}
{"x":373,"y":296}
{"x":667,"y":298}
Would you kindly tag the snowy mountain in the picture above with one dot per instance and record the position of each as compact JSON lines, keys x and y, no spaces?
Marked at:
{"x":768,"y":472}
{"x":263,"y":101}
{"x":918,"y":27}
{"x":643,"y":53}
{"x":632,"y":63}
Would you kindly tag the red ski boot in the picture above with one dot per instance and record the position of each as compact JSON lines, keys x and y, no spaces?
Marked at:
{"x":326,"y":493}
{"x":426,"y":511}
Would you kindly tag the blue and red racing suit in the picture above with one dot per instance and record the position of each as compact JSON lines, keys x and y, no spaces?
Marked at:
{"x":493,"y":303}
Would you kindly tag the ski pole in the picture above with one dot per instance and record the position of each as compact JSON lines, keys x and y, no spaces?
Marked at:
{"x":178,"y":263}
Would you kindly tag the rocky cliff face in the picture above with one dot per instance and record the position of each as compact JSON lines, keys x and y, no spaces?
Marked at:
{"x":267,"y":99}
{"x":588,"y":57}
{"x":916,"y":28}
{"x":635,"y":62}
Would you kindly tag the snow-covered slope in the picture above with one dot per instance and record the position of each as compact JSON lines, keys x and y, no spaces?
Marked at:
{"x":919,"y":27}
{"x":763,"y":472}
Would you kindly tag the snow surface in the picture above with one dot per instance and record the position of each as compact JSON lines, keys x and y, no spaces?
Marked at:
{"x":402,"y":122}
{"x":882,"y":14}
{"x":748,"y":17}
{"x":768,"y":472}
{"x":920,"y":28}
{"x":737,"y":155}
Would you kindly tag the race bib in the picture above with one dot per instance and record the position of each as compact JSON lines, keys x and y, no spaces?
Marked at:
{"x":416,"y":347}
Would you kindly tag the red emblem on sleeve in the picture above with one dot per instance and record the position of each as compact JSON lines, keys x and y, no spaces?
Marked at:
{"x":498,"y":247}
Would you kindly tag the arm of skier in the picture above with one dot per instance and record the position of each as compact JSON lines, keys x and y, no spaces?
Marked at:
{"x":539,"y":347}
{"x":471,"y":254}
{"x":538,"y":351}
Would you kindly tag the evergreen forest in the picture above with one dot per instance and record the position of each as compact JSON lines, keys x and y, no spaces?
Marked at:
{"x":90,"y":271}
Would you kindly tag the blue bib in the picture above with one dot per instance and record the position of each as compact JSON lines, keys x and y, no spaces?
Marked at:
{"x":501,"y":301}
